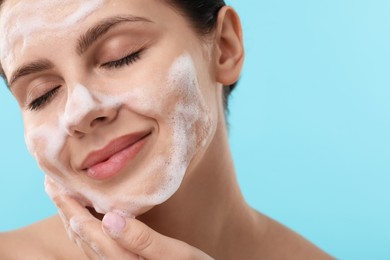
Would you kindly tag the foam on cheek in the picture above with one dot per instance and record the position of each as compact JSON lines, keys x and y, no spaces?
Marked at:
{"x":23,"y":20}
{"x":190,"y":112}
{"x":182,"y":78}
{"x":80,"y":103}
{"x":48,"y":139}
{"x":46,"y":142}
{"x":172,"y":164}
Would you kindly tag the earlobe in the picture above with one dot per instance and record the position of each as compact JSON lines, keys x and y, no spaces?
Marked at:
{"x":229,"y":49}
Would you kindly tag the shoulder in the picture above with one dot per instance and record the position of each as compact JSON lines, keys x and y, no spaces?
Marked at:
{"x":46,"y":239}
{"x":283,"y":243}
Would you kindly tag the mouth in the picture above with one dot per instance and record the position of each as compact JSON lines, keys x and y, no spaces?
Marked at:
{"x":110,"y":160}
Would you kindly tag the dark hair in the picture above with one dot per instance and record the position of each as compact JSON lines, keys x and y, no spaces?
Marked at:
{"x":202,"y":15}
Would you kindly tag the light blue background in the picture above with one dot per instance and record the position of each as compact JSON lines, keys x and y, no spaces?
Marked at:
{"x":310,"y":126}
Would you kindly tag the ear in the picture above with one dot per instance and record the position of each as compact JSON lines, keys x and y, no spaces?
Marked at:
{"x":229,"y":49}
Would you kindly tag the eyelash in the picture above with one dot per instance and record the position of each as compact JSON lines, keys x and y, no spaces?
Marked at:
{"x":38,"y":103}
{"x":128,"y":60}
{"x":42,"y":100}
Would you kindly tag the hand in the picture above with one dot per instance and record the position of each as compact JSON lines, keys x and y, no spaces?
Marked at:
{"x":116,"y":237}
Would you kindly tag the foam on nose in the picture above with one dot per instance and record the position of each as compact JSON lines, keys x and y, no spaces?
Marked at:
{"x":188,"y":124}
{"x":80,"y":102}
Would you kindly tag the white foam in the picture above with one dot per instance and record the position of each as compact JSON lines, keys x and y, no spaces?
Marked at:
{"x":77,"y":224}
{"x":80,"y":102}
{"x":190,"y":127}
{"x":23,"y":20}
{"x":49,"y":138}
{"x":189,"y":121}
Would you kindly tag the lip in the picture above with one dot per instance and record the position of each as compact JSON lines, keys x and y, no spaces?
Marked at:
{"x":110,"y":160}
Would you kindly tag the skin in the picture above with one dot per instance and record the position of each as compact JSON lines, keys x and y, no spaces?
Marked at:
{"x":207,"y":217}
{"x":93,"y":107}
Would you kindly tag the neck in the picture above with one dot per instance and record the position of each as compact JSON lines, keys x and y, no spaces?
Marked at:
{"x":208,"y":211}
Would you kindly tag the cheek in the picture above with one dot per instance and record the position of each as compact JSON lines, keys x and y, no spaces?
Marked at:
{"x":36,"y":146}
{"x":186,"y":128}
{"x":191,"y":115}
{"x":185,"y":120}
{"x":186,"y":125}
{"x":45,"y":143}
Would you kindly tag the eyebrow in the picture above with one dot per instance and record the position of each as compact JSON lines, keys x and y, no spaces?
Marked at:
{"x":98,"y":30}
{"x":30,"y":68}
{"x":83,"y":43}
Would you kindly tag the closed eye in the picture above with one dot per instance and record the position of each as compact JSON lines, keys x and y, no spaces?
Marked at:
{"x":128,"y":60}
{"x":43,"y":100}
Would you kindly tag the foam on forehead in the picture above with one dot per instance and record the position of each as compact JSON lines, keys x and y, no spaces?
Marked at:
{"x":25,"y":18}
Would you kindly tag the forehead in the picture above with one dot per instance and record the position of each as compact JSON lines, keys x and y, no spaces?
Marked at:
{"x":49,"y":11}
{"x":24,"y":23}
{"x":20,"y":19}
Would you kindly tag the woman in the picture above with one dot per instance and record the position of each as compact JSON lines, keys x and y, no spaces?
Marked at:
{"x":123,"y":104}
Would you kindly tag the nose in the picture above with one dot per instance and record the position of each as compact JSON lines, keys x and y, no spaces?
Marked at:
{"x":84,"y":112}
{"x":91,"y":120}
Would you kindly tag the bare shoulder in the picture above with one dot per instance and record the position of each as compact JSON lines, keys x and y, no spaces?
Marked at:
{"x":46,"y":239}
{"x":283,"y":243}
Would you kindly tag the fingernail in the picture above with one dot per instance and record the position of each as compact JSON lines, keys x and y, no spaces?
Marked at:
{"x":113,"y":223}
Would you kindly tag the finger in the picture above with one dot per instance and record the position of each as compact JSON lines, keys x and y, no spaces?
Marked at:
{"x":88,"y":251}
{"x":51,"y":187}
{"x":83,"y":228}
{"x":110,"y":250}
{"x":77,"y":240}
{"x":88,"y":230}
{"x":68,"y":230}
{"x":144,"y":241}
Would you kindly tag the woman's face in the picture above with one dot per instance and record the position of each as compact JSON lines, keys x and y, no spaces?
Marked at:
{"x":118,"y":97}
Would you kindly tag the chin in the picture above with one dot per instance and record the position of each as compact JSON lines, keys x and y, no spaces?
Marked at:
{"x":122,"y":212}
{"x":128,"y":205}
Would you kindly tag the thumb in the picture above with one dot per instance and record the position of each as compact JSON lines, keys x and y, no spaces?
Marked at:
{"x":138,"y":238}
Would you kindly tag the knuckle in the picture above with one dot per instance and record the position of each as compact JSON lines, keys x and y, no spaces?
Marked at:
{"x":141,"y":240}
{"x":79,"y":226}
{"x":98,"y":250}
{"x":76,"y":225}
